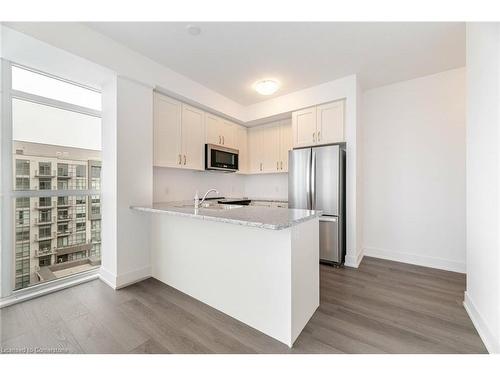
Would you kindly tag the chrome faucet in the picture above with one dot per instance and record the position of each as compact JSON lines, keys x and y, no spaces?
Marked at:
{"x":197,"y":205}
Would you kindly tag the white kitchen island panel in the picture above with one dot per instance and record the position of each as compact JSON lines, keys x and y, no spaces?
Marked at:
{"x":268,"y":279}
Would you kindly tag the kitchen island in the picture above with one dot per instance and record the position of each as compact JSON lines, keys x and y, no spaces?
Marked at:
{"x":259,"y":265}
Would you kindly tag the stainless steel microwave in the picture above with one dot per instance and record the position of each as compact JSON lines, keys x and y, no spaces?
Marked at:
{"x":221,"y":158}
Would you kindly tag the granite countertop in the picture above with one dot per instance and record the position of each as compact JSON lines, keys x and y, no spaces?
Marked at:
{"x":252,"y":216}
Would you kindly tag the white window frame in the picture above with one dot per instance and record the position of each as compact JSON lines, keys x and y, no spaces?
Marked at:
{"x":8,"y":295}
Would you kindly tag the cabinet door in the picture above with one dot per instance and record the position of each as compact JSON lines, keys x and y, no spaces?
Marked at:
{"x":228,"y":133}
{"x":242,"y":147}
{"x":271,"y":148}
{"x":213,"y":126}
{"x":254,"y":150}
{"x":285,"y":143}
{"x":304,"y":127}
{"x":167,"y":141}
{"x":330,"y":122}
{"x":193,"y":137}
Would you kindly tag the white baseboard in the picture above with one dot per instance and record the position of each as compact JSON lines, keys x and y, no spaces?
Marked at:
{"x":133,"y":277}
{"x":419,"y":260}
{"x":492,"y":345}
{"x":124,"y":279}
{"x":354,"y":261}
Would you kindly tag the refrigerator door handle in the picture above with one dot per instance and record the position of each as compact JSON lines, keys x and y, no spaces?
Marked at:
{"x":308,"y":181}
{"x":313,"y":181}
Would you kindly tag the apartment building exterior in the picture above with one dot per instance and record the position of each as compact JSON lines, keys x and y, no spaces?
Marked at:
{"x":58,"y":234}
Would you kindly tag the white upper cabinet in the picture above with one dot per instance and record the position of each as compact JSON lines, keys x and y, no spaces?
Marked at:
{"x":178,"y":134}
{"x":268,"y":147}
{"x":285,"y":143}
{"x":242,"y":146}
{"x":213,"y":128}
{"x":167,"y":132}
{"x":304,"y":127}
{"x":330,"y":122}
{"x":318,"y":125}
{"x":220,"y":131}
{"x":193,"y":137}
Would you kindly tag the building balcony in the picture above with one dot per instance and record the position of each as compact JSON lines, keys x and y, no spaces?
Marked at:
{"x":43,"y":206}
{"x":49,"y":237}
{"x":45,"y":221}
{"x":64,"y":233}
{"x":44,"y":174}
{"x":44,"y":252}
{"x":64,"y":218}
{"x":75,"y":248}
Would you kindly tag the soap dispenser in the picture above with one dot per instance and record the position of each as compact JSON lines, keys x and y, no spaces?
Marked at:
{"x":196,"y":200}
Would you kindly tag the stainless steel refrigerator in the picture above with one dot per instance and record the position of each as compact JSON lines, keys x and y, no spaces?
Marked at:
{"x":316,"y":181}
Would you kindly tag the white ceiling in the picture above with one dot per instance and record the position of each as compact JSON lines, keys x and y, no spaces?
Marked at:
{"x":229,"y":57}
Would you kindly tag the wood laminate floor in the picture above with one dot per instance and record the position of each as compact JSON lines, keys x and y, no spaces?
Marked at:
{"x":382,"y":307}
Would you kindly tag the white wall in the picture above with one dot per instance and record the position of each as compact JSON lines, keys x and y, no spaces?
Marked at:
{"x":482,"y":298}
{"x":272,"y":186}
{"x":414,"y":171}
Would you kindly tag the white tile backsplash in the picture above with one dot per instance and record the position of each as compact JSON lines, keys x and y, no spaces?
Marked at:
{"x":170,"y":184}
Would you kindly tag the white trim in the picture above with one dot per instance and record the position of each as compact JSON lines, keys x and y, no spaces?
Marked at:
{"x":133,"y":277}
{"x":492,"y":345}
{"x":107,"y":277}
{"x":48,"y":287}
{"x":126,"y":279}
{"x":417,"y":259}
{"x":354,"y":262}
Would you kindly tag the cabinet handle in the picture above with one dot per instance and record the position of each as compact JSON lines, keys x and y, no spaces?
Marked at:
{"x":277,"y":165}
{"x":220,"y":140}
{"x":261,"y":166}
{"x":319,"y":136}
{"x":184,"y":159}
{"x":314,"y":136}
{"x":180,"y":160}
{"x":223,"y":141}
{"x":281,"y":165}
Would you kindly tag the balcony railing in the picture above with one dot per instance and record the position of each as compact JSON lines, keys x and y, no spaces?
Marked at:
{"x":44,"y":252}
{"x":44,"y":205}
{"x":45,"y":237}
{"x":46,"y":174}
{"x":45,"y":220}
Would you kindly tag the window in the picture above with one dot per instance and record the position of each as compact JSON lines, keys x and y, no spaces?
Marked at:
{"x":62,"y":184}
{"x":62,"y":201}
{"x":45,"y":216}
{"x":44,"y":231}
{"x":22,"y":167}
{"x":56,"y":143}
{"x":22,"y":250}
{"x":45,"y":201}
{"x":22,"y":217}
{"x":22,"y":183}
{"x":81,"y":200}
{"x":44,"y":168}
{"x":22,"y":234}
{"x":81,"y":171}
{"x":62,"y":214}
{"x":44,"y":246}
{"x":22,"y":267}
{"x":45,"y":184}
{"x":62,"y":242}
{"x":44,"y":261}
{"x":62,"y":170}
{"x":22,"y":202}
{"x":62,"y":228}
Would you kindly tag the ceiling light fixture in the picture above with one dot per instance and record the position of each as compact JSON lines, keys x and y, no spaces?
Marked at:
{"x":267,"y":86}
{"x":193,"y":30}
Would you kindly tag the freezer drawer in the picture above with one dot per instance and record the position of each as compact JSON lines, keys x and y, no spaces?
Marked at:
{"x":330,"y":248}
